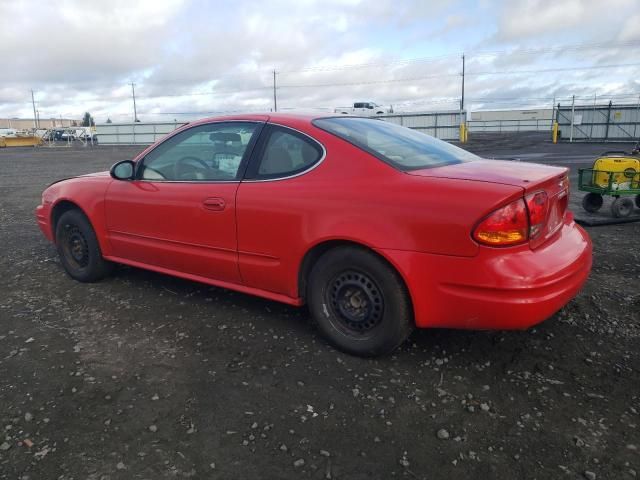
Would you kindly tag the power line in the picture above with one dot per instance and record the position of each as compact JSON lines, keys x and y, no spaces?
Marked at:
{"x":472,"y":53}
{"x":133,"y":93}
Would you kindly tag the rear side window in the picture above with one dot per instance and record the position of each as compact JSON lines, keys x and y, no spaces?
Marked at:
{"x":401,"y":147}
{"x":284,"y":153}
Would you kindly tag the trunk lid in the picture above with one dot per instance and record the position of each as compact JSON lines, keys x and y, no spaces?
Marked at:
{"x":531,"y":177}
{"x":520,"y":174}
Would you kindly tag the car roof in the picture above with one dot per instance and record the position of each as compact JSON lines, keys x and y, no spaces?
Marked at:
{"x":273,"y":117}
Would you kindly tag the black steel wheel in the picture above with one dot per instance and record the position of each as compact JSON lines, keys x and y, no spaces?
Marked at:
{"x":356,"y":302}
{"x":359,"y":302}
{"x":78,"y":248}
{"x":592,"y":202}
{"x":622,"y":207}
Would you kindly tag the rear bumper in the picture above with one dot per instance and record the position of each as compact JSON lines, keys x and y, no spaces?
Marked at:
{"x":43,"y":216}
{"x":512,"y":288}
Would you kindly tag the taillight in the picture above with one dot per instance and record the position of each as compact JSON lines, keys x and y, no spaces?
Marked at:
{"x":508,"y":225}
{"x":538,"y":205}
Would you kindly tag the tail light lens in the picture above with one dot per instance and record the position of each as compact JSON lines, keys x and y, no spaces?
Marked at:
{"x":538,"y":205}
{"x":508,"y":225}
{"x":515,"y":223}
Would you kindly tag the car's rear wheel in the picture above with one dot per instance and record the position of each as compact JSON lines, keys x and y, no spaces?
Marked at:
{"x":78,"y":248}
{"x":359,"y":302}
{"x":592,"y":202}
{"x":622,"y":207}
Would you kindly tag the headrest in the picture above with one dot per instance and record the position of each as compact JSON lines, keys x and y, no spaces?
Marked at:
{"x":225,"y":137}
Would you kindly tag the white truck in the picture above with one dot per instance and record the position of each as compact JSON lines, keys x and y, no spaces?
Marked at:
{"x":365,"y":109}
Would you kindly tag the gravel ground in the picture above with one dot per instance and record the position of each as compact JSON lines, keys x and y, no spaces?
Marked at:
{"x":151,"y":377}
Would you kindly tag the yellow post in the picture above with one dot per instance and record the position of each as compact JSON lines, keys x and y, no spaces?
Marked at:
{"x":463,"y":133}
{"x":554,"y":132}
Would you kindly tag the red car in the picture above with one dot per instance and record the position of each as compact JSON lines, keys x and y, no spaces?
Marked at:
{"x":376,"y":227}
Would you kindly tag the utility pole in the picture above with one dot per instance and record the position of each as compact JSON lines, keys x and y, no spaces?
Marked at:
{"x":275,"y":100}
{"x":133,"y":93}
{"x":462,"y":99}
{"x":35,"y":119}
{"x":573,"y":111}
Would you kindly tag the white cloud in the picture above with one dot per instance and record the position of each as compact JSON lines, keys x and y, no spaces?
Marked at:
{"x":537,"y":18}
{"x":80,"y":55}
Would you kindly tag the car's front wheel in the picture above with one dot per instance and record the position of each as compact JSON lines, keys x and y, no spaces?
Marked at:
{"x":359,"y":302}
{"x":78,"y":248}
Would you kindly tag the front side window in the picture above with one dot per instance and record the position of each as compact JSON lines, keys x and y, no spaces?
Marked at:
{"x":401,"y":147}
{"x":211,"y":152}
{"x":286,"y":153}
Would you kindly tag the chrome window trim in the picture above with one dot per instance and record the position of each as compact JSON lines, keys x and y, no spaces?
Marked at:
{"x":304,"y":172}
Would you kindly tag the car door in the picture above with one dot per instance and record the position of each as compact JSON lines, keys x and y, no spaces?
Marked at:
{"x":273,"y":208}
{"x":179,"y":213}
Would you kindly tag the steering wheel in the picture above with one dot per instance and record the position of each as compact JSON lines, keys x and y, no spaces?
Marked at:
{"x":179,"y":172}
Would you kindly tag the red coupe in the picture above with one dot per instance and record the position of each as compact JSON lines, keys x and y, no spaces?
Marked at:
{"x":376,"y":227}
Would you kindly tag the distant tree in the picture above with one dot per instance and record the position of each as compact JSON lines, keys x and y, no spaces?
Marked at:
{"x":74,"y":123}
{"x":87,"y":120}
{"x":109,"y":120}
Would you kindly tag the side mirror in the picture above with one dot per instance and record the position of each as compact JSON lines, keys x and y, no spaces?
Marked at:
{"x":123,"y":170}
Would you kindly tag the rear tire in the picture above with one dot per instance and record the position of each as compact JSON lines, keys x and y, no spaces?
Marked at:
{"x":78,"y":248}
{"x":592,"y":202}
{"x":359,"y":302}
{"x":622,"y":207}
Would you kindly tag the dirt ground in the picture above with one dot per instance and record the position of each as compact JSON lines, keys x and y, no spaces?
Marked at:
{"x":149,"y":377}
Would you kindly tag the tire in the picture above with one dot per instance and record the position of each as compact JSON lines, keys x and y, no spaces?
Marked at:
{"x":359,"y":302}
{"x":592,"y":202}
{"x":638,"y":201}
{"x":622,"y":207}
{"x":78,"y":248}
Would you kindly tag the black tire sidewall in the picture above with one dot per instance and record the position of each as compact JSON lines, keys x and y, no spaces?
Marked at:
{"x":397,"y":321}
{"x":622,"y":207}
{"x":97,"y":267}
{"x":592,"y":202}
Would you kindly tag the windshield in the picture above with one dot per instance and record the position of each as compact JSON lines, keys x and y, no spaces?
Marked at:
{"x":403,"y":148}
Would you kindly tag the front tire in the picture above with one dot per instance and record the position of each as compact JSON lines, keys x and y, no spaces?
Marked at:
{"x":359,"y":302}
{"x":78,"y":248}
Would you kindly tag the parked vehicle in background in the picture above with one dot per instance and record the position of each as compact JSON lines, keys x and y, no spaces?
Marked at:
{"x":377,"y":227}
{"x":57,"y":133}
{"x":68,"y":134}
{"x":8,"y":132}
{"x":364,"y":109}
{"x":85,"y":134}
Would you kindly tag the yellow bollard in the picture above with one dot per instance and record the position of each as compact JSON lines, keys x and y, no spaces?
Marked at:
{"x":554,"y":132}
{"x":463,"y":133}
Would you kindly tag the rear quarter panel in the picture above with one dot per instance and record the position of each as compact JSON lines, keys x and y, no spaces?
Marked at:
{"x":355,"y":197}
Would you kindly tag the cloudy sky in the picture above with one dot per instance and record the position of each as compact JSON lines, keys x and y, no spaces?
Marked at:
{"x":191,"y":58}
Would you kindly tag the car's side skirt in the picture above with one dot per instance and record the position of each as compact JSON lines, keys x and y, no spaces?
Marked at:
{"x":278,"y":297}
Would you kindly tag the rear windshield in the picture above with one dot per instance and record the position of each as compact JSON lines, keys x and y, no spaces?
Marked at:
{"x":403,"y":148}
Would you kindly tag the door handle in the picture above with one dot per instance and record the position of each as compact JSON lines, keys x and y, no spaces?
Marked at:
{"x":214,"y":204}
